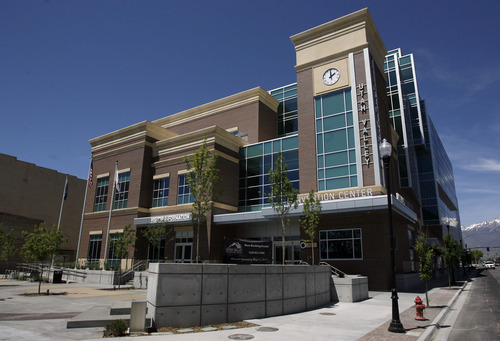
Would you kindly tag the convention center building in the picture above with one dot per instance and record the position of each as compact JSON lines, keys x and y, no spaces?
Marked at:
{"x":350,"y":95}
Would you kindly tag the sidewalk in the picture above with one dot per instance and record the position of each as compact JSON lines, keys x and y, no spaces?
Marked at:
{"x":45,"y":317}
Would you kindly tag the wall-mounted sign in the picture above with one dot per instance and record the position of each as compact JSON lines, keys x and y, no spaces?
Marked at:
{"x":364,"y":127}
{"x":340,"y":194}
{"x":238,"y":251}
{"x":171,"y":218}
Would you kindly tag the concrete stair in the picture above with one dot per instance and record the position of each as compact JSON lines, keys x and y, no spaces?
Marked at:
{"x":100,"y":316}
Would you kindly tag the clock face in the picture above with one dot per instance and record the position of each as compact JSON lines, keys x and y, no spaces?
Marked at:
{"x":331,"y":76}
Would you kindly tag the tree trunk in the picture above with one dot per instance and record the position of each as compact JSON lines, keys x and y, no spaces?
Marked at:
{"x":283,"y":239}
{"x":40,"y":275}
{"x":312,"y":252}
{"x":198,"y":240}
{"x":426,"y":294}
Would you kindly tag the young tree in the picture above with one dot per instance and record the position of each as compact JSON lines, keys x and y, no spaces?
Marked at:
{"x":451,"y":254}
{"x":309,"y":222}
{"x":476,"y":255}
{"x":121,"y":245}
{"x":7,"y":246}
{"x":203,"y":179}
{"x":425,"y":254}
{"x":283,"y":196}
{"x":41,"y":244}
{"x":156,"y":235}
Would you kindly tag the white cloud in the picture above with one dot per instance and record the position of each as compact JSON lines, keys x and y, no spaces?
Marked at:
{"x":483,"y":165}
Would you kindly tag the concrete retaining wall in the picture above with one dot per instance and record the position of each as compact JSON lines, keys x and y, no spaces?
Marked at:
{"x":96,"y":276}
{"x":141,"y":279}
{"x":184,"y":295}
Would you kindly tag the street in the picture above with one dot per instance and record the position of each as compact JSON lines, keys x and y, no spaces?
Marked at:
{"x":479,"y":316}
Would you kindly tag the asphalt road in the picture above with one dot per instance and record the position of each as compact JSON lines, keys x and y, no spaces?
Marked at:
{"x":479,"y":318}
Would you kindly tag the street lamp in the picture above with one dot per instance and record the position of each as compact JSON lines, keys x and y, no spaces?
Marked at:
{"x":396,"y":326}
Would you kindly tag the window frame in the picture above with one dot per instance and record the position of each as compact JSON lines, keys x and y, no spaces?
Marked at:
{"x":323,"y":241}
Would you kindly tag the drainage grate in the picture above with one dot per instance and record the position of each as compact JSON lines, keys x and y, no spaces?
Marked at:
{"x":241,"y":337}
{"x":267,"y":329}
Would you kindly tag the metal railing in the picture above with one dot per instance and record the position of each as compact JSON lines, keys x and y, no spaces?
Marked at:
{"x":139,"y":266}
{"x":336,"y":272}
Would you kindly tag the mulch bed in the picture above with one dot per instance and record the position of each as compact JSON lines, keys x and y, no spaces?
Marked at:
{"x":199,"y":329}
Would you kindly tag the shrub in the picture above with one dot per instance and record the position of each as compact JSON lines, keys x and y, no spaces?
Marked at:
{"x":115,"y":328}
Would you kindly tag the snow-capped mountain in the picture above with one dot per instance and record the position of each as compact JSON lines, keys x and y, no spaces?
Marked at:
{"x":485,"y":234}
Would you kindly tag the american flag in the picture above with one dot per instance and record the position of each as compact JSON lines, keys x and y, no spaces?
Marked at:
{"x":91,"y":174}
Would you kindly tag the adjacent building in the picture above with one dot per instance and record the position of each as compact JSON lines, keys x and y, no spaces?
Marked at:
{"x":31,"y":195}
{"x":350,"y":94}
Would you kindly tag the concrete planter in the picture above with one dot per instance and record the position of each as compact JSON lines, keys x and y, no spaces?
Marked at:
{"x":349,"y":288}
{"x":184,"y":295}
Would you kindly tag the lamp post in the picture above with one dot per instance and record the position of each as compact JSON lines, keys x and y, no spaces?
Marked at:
{"x":385,"y":149}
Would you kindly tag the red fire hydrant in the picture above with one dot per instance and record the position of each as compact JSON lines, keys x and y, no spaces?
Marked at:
{"x":420,"y":309}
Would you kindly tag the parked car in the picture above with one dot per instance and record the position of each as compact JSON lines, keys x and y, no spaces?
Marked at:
{"x":489,"y":265}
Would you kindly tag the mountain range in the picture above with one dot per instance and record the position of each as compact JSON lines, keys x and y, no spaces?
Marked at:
{"x":483,"y":235}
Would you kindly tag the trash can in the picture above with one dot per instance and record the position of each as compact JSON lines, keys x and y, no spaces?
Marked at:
{"x":57,"y":276}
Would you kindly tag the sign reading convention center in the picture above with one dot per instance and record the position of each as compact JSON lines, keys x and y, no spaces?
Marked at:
{"x":238,"y":251}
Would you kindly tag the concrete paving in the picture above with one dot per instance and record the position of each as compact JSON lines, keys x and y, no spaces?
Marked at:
{"x":45,"y":317}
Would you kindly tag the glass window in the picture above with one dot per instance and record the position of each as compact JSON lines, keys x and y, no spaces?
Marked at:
{"x":341,"y":244}
{"x":254,"y":184}
{"x":335,"y":140}
{"x":334,"y":122}
{"x":121,"y":196}
{"x":184,"y":194}
{"x":336,"y":159}
{"x":333,"y":104}
{"x":113,"y":260}
{"x":94,"y":253}
{"x":160,"y":192}
{"x":101,"y":194}
{"x":287,"y":109}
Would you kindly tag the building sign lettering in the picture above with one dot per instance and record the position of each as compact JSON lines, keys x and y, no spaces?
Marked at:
{"x":171,"y":218}
{"x":340,"y":194}
{"x":239,"y":251}
{"x":364,"y":124}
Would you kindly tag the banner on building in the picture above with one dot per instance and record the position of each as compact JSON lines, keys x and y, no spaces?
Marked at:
{"x":238,"y":251}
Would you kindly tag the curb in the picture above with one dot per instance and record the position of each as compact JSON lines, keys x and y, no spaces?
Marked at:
{"x":429,"y":332}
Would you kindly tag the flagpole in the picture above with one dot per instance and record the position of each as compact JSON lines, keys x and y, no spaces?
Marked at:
{"x":115,"y":181}
{"x":65,"y":194}
{"x":83,"y":213}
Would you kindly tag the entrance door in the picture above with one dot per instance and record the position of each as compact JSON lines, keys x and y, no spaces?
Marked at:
{"x":183,"y":252}
{"x":292,"y":252}
{"x":183,"y":246}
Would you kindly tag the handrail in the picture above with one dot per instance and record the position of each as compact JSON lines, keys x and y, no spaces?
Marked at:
{"x":336,"y":272}
{"x":134,"y":267}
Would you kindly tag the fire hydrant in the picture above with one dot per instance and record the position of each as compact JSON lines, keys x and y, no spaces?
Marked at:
{"x":420,"y":309}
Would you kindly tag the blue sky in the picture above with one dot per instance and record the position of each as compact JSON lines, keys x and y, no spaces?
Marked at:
{"x":74,"y":70}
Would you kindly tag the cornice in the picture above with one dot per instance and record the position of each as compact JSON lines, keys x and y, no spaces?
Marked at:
{"x":223,"y":104}
{"x":139,"y":130}
{"x":195,"y":139}
{"x":359,"y":24}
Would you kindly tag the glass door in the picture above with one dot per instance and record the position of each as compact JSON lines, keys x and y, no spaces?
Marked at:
{"x":183,"y":246}
{"x":183,"y":252}
{"x":292,"y":252}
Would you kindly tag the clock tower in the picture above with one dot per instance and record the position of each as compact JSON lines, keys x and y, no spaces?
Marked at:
{"x":341,"y":103}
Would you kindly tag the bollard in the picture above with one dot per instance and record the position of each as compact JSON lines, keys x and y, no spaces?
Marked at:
{"x":138,"y":316}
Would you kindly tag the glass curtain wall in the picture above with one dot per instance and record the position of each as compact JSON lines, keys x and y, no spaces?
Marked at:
{"x":335,"y":141}
{"x":287,"y":110}
{"x":255,"y":163}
